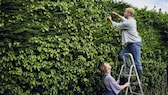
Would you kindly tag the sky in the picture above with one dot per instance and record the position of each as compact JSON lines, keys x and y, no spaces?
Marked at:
{"x":163,"y":4}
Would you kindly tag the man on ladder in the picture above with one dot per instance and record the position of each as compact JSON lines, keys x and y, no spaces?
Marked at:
{"x":130,"y":37}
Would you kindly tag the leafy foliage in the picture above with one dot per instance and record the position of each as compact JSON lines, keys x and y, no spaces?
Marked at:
{"x":54,"y":46}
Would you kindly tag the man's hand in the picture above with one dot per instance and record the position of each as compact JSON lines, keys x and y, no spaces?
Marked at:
{"x":109,"y":18}
{"x":114,"y":13}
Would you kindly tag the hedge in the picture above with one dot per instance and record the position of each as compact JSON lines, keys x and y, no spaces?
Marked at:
{"x":55,"y":46}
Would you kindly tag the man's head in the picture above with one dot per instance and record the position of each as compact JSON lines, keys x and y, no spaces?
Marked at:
{"x":105,"y":67}
{"x":129,"y":12}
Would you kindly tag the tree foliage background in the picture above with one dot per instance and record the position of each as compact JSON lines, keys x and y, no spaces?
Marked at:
{"x":55,"y":46}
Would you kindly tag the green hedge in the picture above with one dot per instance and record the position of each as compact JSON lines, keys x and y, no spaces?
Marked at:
{"x":54,"y":47}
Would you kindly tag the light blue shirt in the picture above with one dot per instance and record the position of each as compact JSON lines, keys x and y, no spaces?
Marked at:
{"x":111,"y":84}
{"x":129,"y":30}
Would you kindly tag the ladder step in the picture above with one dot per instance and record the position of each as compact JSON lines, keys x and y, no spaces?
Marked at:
{"x":136,"y":93}
{"x":124,"y":74}
{"x":136,"y":83}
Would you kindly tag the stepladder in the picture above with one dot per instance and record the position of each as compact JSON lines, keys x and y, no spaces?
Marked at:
{"x":128,"y":70}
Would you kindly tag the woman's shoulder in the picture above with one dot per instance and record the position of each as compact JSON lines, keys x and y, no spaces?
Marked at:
{"x":109,"y":77}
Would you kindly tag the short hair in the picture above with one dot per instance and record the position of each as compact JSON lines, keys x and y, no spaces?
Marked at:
{"x":101,"y":64}
{"x":130,"y":10}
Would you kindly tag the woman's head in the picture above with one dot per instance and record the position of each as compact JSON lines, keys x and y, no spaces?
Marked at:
{"x":105,"y":67}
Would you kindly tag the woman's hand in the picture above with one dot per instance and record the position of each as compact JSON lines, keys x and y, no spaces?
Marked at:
{"x":125,"y":85}
{"x":118,"y":81}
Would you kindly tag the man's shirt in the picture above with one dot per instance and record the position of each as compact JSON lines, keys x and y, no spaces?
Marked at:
{"x":129,"y":30}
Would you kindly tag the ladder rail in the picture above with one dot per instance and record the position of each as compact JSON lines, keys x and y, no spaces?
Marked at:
{"x":129,"y":78}
{"x":137,"y":76}
{"x":121,"y":71}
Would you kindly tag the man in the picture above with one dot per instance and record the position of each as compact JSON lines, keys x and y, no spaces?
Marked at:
{"x":130,"y":37}
{"x":112,"y":86}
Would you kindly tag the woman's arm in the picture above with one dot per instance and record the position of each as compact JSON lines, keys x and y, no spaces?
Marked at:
{"x":125,"y":85}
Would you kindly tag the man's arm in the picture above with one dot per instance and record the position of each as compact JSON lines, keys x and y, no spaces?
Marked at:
{"x":118,"y":15}
{"x":114,"y":13}
{"x":122,"y":25}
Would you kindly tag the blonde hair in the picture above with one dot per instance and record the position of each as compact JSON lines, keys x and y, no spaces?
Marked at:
{"x":130,"y":10}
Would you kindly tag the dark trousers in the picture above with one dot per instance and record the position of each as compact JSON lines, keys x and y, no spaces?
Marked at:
{"x":109,"y":93}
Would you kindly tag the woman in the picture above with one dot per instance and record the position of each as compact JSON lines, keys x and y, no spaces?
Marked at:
{"x":112,"y":86}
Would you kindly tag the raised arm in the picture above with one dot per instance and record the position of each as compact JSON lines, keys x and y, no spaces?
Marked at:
{"x":121,"y":25}
{"x":118,"y":15}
